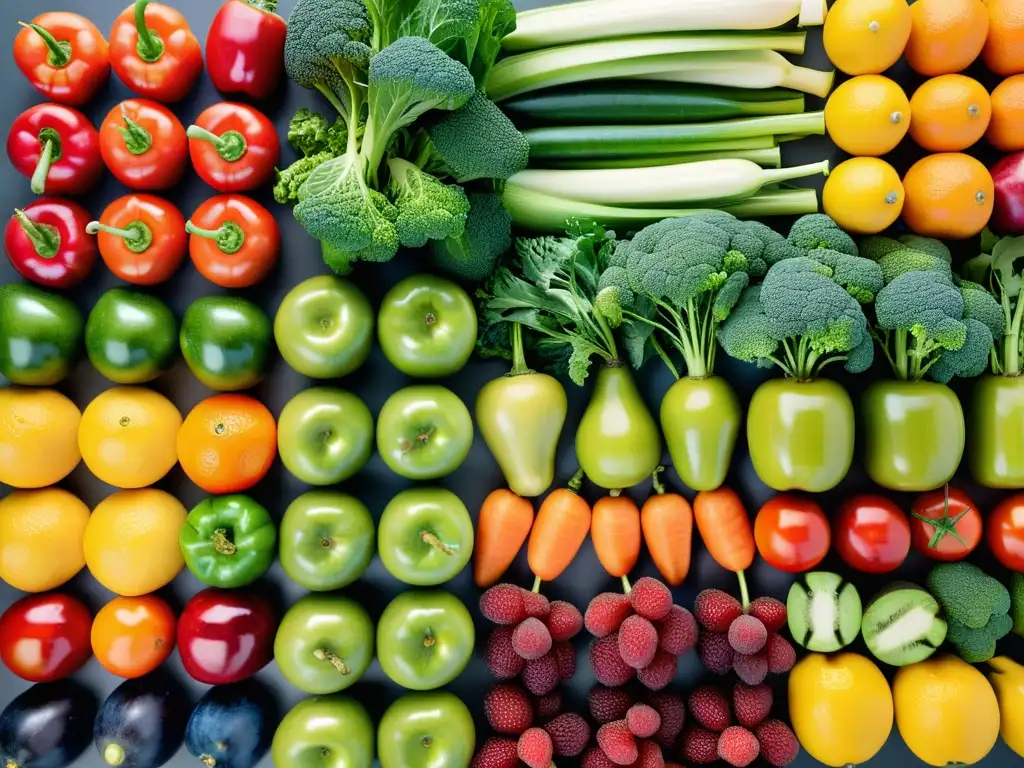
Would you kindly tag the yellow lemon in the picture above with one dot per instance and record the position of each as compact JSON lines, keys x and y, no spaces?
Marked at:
{"x":868,"y":116}
{"x":131,"y":542}
{"x":867,"y":36}
{"x":1008,"y":680}
{"x":840,"y":707}
{"x":41,"y":534}
{"x":38,"y":437}
{"x":129,"y":436}
{"x":946,"y":711}
{"x":864,"y":195}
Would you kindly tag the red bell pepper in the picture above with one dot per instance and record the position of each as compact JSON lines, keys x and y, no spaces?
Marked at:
{"x":47,"y":243}
{"x":144,"y":145}
{"x":141,"y":238}
{"x":57,"y":148}
{"x":153,"y":51}
{"x":245,"y":48}
{"x":64,"y":56}
{"x":234,"y":147}
{"x":235,"y":241}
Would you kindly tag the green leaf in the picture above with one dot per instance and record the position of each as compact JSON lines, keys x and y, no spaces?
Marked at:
{"x":988,"y":240}
{"x":1004,"y":257}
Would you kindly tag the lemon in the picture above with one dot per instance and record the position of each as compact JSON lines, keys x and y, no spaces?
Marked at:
{"x":38,"y":437}
{"x":41,"y":534}
{"x":865,"y":37}
{"x":840,"y":707}
{"x":868,"y":116}
{"x":864,"y":195}
{"x":1008,"y":681}
{"x":946,"y":711}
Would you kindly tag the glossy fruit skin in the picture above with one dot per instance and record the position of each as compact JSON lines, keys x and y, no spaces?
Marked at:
{"x":325,"y":435}
{"x":617,"y":442}
{"x":45,"y":637}
{"x":245,"y":49}
{"x":1005,"y":532}
{"x":232,"y":724}
{"x":228,"y":541}
{"x":426,"y":729}
{"x":700,"y":418}
{"x":226,"y":342}
{"x":871,"y":534}
{"x":47,"y":242}
{"x":792,"y":533}
{"x":40,"y":335}
{"x":78,"y":79}
{"x":424,"y":432}
{"x":1007,"y":678}
{"x":424,"y":639}
{"x":141,"y":723}
{"x":225,"y":637}
{"x":328,"y":731}
{"x":75,"y":168}
{"x":131,"y":337}
{"x":231,"y":171}
{"x":1008,"y":213}
{"x":41,"y":535}
{"x":409,"y":520}
{"x":47,"y":726}
{"x":152,"y":258}
{"x":327,"y":540}
{"x":144,"y":145}
{"x":318,"y":633}
{"x":38,"y":437}
{"x":132,"y":636}
{"x":932,"y":506}
{"x":236,"y":243}
{"x":427,"y":326}
{"x":800,"y":434}
{"x":324,"y":327}
{"x":996,"y":437}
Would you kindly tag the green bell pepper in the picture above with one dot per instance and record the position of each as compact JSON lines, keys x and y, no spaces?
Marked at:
{"x":228,"y":541}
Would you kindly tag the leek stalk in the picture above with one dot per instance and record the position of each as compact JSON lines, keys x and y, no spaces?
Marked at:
{"x":770,"y":157}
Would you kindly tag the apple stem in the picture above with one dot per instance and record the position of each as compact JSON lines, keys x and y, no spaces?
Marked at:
{"x":426,"y":742}
{"x":428,"y":641}
{"x":222,"y":544}
{"x":321,"y":655}
{"x":436,"y":543}
{"x":430,"y":319}
{"x":208,"y":760}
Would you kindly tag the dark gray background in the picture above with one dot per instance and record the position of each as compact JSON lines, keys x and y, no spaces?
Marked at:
{"x":375,"y":485}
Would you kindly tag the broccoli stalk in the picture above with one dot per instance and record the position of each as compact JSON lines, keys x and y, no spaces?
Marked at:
{"x":999,"y":274}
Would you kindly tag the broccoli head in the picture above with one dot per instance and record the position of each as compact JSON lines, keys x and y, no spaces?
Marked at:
{"x":776,"y":247}
{"x":896,"y":263}
{"x":862,"y":278}
{"x":968,"y":361}
{"x":428,"y":209}
{"x":967,"y":594}
{"x":747,"y":334}
{"x":1017,"y":603}
{"x":478,"y":141}
{"x":817,"y":230}
{"x":291,"y":179}
{"x":928,"y":245}
{"x":877,"y":246}
{"x":981,"y":305}
{"x":488,"y":234}
{"x":978,"y":645}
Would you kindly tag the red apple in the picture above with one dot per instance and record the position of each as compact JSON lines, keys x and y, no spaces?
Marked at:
{"x":1008,"y":217}
{"x":226,"y":636}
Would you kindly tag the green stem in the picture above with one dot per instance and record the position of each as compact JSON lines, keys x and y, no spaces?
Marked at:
{"x":150,"y":47}
{"x":229,"y":236}
{"x":664,"y":355}
{"x":137,"y":139}
{"x":1011,"y":344}
{"x":137,"y":235}
{"x":744,"y":593}
{"x":222,"y":544}
{"x":606,"y":332}
{"x":695,"y":367}
{"x":576,"y":481}
{"x":231,"y":145}
{"x":60,"y":50}
{"x":656,"y":481}
{"x":627,"y":588}
{"x":46,"y":159}
{"x":536,"y":585}
{"x":270,"y":6}
{"x":432,"y":540}
{"x":790,"y":358}
{"x":519,"y":366}
{"x":44,"y":238}
{"x":900,"y":356}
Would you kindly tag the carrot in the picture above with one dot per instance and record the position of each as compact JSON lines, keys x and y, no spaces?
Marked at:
{"x":723,"y":524}
{"x":559,"y":531}
{"x":615,"y":531}
{"x":504,"y":523}
{"x":667,"y":521}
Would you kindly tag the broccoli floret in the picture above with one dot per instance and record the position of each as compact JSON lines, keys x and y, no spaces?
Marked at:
{"x":862,"y":278}
{"x":307,"y":131}
{"x":928,"y":245}
{"x":477,"y":141}
{"x":748,"y":334}
{"x":291,"y":179}
{"x":428,"y":209}
{"x":776,"y":247}
{"x":487,"y":236}
{"x":968,"y":361}
{"x":980,"y":305}
{"x":1017,"y":603}
{"x":977,"y":645}
{"x":817,"y":230}
{"x":877,"y":246}
{"x":967,"y":594}
{"x":896,"y":263}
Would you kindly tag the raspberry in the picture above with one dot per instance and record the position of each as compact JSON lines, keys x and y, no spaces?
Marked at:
{"x":715,"y":652}
{"x":638,"y":642}
{"x":496,"y":753}
{"x":609,"y":668}
{"x":531,"y":639}
{"x":751,"y":703}
{"x":779,"y":744}
{"x":540,"y":676}
{"x":650,"y":756}
{"x":569,"y":733}
{"x":770,"y":611}
{"x":738,"y":746}
{"x":716,"y":610}
{"x":752,"y":670}
{"x":651,"y":598}
{"x":502,"y":661}
{"x":503,"y":604}
{"x":618,"y":743}
{"x":606,"y":613}
{"x":710,"y":708}
{"x":595,"y":757}
{"x":535,"y":748}
{"x":536,"y":605}
{"x":672,"y":710}
{"x":565,"y":658}
{"x":677,"y":632}
{"x":549,"y":705}
{"x":565,"y":621}
{"x":781,"y":655}
{"x":659,"y":672}
{"x":643,"y":721}
{"x":607,"y":704}
{"x":508,"y":709}
{"x":747,"y":635}
{"x":700,"y":746}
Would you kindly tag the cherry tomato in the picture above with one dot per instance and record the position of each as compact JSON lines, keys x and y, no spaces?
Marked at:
{"x":1006,"y":532}
{"x":946,"y":524}
{"x":872,"y":534}
{"x":234,"y":241}
{"x":133,"y":635}
{"x":45,"y":637}
{"x":792,"y":533}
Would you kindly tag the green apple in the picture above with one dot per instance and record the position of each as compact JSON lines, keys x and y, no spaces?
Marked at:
{"x":425,"y":536}
{"x":324,"y":732}
{"x":325,"y":435}
{"x":424,"y":432}
{"x":426,"y":730}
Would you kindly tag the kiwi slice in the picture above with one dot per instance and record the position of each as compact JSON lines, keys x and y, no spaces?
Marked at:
{"x":903,"y":625}
{"x":824,"y":612}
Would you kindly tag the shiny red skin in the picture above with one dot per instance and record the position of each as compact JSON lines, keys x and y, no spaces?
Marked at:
{"x":76,"y":255}
{"x":226,"y":636}
{"x":45,"y":637}
{"x":255,"y":167}
{"x":932,"y":505}
{"x":1008,"y":213}
{"x":1005,"y":532}
{"x":871,"y":534}
{"x":80,"y":165}
{"x":245,"y":49}
{"x":159,"y":167}
{"x":792,"y":533}
{"x":257,"y":256}
{"x":75,"y":82}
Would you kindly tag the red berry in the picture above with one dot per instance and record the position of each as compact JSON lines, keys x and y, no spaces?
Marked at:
{"x":650,"y":756}
{"x":672,"y":710}
{"x":595,"y":757}
{"x":618,"y":743}
{"x":715,"y":652}
{"x":609,"y":668}
{"x":751,"y":703}
{"x":779,"y":744}
{"x":781,"y":655}
{"x":565,"y":657}
{"x":710,"y":708}
{"x":753,"y":669}
{"x":770,"y":611}
{"x":677,"y":632}
{"x":535,"y":748}
{"x":643,"y":721}
{"x":651,"y":598}
{"x":569,"y":733}
{"x":496,"y":753}
{"x":638,"y":642}
{"x":531,"y":639}
{"x":536,"y":604}
{"x":549,"y":705}
{"x":540,"y":676}
{"x":738,"y":746}
{"x":606,"y":613}
{"x":499,"y":656}
{"x":607,"y":704}
{"x":503,"y":604}
{"x":747,"y":635}
{"x":508,"y":709}
{"x":716,"y":610}
{"x":564,"y":621}
{"x":700,"y":745}
{"x":659,"y":672}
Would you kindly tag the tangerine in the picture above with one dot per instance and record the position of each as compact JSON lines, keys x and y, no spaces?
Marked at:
{"x":949,"y":195}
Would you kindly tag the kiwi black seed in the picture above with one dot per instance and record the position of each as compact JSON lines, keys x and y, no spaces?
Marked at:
{"x":824,"y":612}
{"x":903,"y":625}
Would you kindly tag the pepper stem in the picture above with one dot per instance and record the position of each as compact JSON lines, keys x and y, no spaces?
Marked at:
{"x":137,"y":139}
{"x":230,"y":145}
{"x":44,"y":238}
{"x":519,"y":366}
{"x":321,"y":654}
{"x":270,"y":6}
{"x":229,"y":236}
{"x":137,"y":235}
{"x":60,"y":50}
{"x":744,"y":593}
{"x":659,"y":486}
{"x":150,"y":47}
{"x":222,"y":544}
{"x":38,"y":181}
{"x":428,"y":538}
{"x":576,"y":481}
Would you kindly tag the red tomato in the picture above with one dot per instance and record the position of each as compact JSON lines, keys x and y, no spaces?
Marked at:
{"x":946,"y":524}
{"x":1006,"y":532}
{"x":792,"y":533}
{"x":872,"y":534}
{"x":45,"y":637}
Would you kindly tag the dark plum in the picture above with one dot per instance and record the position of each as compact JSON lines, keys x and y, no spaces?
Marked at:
{"x":47,"y":726}
{"x":232,"y":725}
{"x":142,"y":723}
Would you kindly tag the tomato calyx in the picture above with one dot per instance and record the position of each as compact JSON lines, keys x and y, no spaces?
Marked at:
{"x":945,"y":525}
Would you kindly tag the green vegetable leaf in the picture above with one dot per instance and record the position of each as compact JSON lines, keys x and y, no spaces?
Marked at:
{"x":1004,"y":258}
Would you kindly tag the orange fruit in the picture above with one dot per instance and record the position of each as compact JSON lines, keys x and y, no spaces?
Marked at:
{"x":951,"y":113}
{"x":127,"y":436}
{"x":863,"y":195}
{"x":132,"y":636}
{"x":866,"y":37}
{"x":946,"y":35}
{"x":227,"y":443}
{"x":41,"y":535}
{"x":868,"y":115}
{"x":1006,"y":131}
{"x":38,"y":437}
{"x":948,"y":196}
{"x":1004,"y":49}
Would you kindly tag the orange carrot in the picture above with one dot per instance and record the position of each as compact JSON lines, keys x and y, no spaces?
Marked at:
{"x":559,"y":531}
{"x":723,"y":524}
{"x":667,"y":521}
{"x":615,"y":531}
{"x":504,"y":523}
